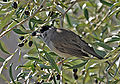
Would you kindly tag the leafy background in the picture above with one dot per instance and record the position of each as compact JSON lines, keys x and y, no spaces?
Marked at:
{"x":96,"y":21}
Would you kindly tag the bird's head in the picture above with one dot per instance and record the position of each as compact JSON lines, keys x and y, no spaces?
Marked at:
{"x":43,"y":32}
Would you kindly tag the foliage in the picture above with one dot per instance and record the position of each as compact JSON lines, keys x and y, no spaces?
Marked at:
{"x":96,"y":21}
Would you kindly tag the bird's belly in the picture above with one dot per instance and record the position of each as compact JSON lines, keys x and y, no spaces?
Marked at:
{"x":52,"y":48}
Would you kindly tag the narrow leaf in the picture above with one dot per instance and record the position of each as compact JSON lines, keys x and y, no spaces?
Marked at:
{"x":6,"y":61}
{"x":106,"y":3}
{"x":68,"y":20}
{"x":103,"y":45}
{"x":2,"y":47}
{"x":18,"y":31}
{"x":45,"y":66}
{"x":52,"y":62}
{"x":78,"y":65}
{"x":86,"y":14}
{"x":1,"y":59}
{"x":100,"y":53}
{"x":18,"y":22}
{"x":11,"y":74}
{"x":45,"y":76}
{"x":113,"y":39}
{"x":39,"y":21}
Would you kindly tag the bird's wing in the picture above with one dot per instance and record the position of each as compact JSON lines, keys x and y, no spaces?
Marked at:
{"x":84,"y":46}
{"x":69,"y":42}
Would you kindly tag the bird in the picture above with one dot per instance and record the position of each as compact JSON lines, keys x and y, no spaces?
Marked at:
{"x":66,"y":43}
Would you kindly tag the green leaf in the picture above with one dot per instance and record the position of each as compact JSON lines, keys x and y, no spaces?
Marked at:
{"x":22,"y":66}
{"x":86,"y":78}
{"x":104,"y":30}
{"x":18,"y":22}
{"x":2,"y":47}
{"x":5,"y":5}
{"x":31,"y":58}
{"x":31,"y":25}
{"x":11,"y":74}
{"x":113,"y":39}
{"x":47,"y":83}
{"x":62,"y":4}
{"x":116,"y":11}
{"x":6,"y":61}
{"x":53,"y":54}
{"x":100,"y":53}
{"x":103,"y":45}
{"x":86,"y":14}
{"x":106,"y":3}
{"x":52,"y":62}
{"x":6,"y":18}
{"x":45,"y":66}
{"x":45,"y":76}
{"x":33,"y":21}
{"x":1,"y":59}
{"x":116,"y":82}
{"x":68,"y":20}
{"x":20,"y":75}
{"x":39,"y":21}
{"x":100,"y":79}
{"x":18,"y":31}
{"x":117,"y":14}
{"x":55,"y":82}
{"x":78,"y":65}
{"x":19,"y":11}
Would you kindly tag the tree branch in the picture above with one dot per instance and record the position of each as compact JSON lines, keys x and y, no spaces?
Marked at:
{"x":23,"y":21}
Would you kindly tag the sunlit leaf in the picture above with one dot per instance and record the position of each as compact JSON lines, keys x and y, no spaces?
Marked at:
{"x":39,"y":21}
{"x":31,"y":58}
{"x":11,"y":74}
{"x":18,"y":22}
{"x":106,"y":3}
{"x":3,"y":48}
{"x":113,"y":39}
{"x":20,"y":75}
{"x":6,"y":19}
{"x":6,"y":61}
{"x":101,"y":44}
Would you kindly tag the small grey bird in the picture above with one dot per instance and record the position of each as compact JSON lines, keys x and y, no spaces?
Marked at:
{"x":66,"y":43}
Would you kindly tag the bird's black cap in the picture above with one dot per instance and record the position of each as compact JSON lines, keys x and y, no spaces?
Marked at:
{"x":44,"y":28}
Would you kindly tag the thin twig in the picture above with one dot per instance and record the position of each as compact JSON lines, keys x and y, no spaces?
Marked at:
{"x":23,"y":21}
{"x":27,"y":77}
{"x":113,"y":62}
{"x":62,"y":17}
{"x":69,"y":8}
{"x":98,"y":25}
{"x":5,"y":26}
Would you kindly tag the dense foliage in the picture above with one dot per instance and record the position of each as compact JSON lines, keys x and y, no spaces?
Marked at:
{"x":96,"y":21}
